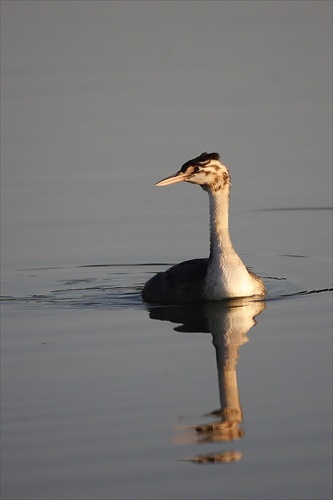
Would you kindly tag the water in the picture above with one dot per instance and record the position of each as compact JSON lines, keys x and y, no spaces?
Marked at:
{"x":103,"y":396}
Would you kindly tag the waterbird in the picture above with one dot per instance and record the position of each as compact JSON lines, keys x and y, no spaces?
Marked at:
{"x":222,"y":275}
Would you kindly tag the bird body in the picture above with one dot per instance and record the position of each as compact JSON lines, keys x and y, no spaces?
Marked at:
{"x":223,"y":275}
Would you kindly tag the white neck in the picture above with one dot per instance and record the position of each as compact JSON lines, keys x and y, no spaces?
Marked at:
{"x":226,"y":275}
{"x":220,"y":242}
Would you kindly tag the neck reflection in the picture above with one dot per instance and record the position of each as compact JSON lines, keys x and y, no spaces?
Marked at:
{"x":228,"y":322}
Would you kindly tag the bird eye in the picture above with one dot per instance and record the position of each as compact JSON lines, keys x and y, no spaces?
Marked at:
{"x":197,"y":169}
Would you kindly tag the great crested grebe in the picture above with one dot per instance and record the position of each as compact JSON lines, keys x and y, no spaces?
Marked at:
{"x":223,"y":275}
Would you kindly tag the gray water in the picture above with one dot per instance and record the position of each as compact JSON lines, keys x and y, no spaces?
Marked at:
{"x":102,"y":395}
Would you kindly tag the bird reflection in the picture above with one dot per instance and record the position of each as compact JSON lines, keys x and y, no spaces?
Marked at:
{"x":229,"y":323}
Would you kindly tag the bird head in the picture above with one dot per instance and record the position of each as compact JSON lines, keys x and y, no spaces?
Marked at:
{"x":205,"y":170}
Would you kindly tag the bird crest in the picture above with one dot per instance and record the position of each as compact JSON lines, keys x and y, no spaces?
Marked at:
{"x":206,"y":157}
{"x":202,"y":159}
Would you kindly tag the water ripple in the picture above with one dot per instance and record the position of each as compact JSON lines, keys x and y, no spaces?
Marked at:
{"x":108,"y":286}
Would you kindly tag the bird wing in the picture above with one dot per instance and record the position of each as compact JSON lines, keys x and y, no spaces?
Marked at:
{"x":181,"y":284}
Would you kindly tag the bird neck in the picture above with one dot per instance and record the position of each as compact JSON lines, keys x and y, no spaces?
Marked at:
{"x":220,"y":242}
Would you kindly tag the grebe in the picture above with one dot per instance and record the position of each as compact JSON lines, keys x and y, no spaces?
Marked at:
{"x":223,"y":275}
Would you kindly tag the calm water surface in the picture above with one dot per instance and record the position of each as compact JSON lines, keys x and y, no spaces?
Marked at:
{"x":102,"y":395}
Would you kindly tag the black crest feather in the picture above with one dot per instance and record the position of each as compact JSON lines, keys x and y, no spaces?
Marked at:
{"x":208,"y":156}
{"x":203,"y":158}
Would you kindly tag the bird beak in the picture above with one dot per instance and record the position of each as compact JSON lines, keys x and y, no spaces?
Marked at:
{"x":172,"y":179}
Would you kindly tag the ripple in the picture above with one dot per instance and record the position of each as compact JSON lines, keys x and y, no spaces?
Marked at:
{"x":109,"y":286}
